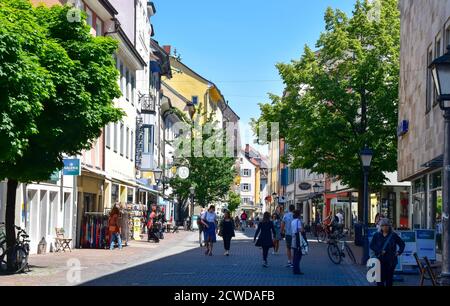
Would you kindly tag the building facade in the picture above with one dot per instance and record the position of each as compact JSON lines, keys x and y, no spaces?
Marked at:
{"x":425,"y":33}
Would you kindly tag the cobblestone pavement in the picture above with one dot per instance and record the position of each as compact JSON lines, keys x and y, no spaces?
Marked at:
{"x":243,"y":268}
{"x":58,"y":269}
{"x":178,"y":261}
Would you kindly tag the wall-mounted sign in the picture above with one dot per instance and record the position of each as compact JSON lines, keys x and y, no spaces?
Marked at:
{"x":72,"y":167}
{"x":304,"y":186}
{"x":183,"y":172}
{"x":403,"y":128}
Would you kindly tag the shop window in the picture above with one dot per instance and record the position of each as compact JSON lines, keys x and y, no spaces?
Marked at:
{"x":436,"y":180}
{"x":130,"y":195}
{"x":114,"y":194}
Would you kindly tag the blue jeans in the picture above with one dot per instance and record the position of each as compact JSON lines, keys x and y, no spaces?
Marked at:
{"x":115,"y":236}
{"x":296,"y":260}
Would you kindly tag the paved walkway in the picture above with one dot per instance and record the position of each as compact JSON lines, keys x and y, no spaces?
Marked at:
{"x":178,"y":261}
{"x":243,"y":268}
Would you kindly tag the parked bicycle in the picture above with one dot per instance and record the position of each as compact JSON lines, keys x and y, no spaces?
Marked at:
{"x":20,"y":251}
{"x":339,"y":250}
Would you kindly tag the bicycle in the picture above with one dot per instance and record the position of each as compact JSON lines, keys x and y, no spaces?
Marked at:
{"x":323,"y":232}
{"x":20,"y":251}
{"x":338,"y":250}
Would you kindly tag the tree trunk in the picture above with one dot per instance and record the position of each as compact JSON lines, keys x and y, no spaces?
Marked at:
{"x":10,"y":217}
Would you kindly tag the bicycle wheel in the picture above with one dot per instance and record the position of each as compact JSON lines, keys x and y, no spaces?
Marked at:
{"x":350,"y":256}
{"x":334,"y":253}
{"x":322,"y":237}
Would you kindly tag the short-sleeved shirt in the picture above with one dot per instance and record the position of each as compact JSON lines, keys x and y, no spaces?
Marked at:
{"x":287,"y":219}
{"x":296,"y":226}
{"x":210,"y":217}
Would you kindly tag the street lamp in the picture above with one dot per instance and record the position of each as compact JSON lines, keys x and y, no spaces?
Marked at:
{"x":366,"y":160}
{"x":158,"y":174}
{"x":440,"y":70}
{"x":316,"y":188}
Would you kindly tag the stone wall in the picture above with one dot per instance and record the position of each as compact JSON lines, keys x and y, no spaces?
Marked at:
{"x":423,"y":22}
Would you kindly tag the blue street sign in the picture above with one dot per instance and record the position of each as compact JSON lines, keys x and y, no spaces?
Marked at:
{"x":72,"y":167}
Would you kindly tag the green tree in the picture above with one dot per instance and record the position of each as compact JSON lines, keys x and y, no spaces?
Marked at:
{"x":343,"y":96}
{"x":57,"y":85}
{"x":212,"y":176}
{"x":234,"y":200}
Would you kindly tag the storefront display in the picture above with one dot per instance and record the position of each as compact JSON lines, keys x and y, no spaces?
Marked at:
{"x":94,"y":231}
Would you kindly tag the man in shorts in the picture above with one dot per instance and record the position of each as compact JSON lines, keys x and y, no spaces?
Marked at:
{"x":286,"y":224}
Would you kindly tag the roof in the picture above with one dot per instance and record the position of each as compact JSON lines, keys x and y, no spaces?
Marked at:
{"x":199,"y":76}
{"x":109,"y":7}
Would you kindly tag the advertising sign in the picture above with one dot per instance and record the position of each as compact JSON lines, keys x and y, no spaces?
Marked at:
{"x":426,"y":244}
{"x":72,"y":167}
{"x":407,"y":258}
{"x":137,"y":228}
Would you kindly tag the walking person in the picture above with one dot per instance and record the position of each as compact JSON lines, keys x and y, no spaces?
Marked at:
{"x":286,"y":225}
{"x":297,"y":228}
{"x":200,"y":226}
{"x":264,"y":236}
{"x":151,"y":226}
{"x":114,"y":228}
{"x":209,"y":221}
{"x":243,"y":220}
{"x":384,"y":244}
{"x":226,"y":231}
{"x":277,"y":225}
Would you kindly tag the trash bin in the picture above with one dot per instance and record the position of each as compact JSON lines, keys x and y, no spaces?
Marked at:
{"x":359,"y":239}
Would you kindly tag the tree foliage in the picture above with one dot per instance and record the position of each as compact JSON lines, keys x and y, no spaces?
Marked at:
{"x":234,"y":200}
{"x":343,"y":96}
{"x":57,"y":84}
{"x":212,"y":176}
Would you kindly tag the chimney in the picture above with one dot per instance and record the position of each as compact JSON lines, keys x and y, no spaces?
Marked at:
{"x":167,"y":48}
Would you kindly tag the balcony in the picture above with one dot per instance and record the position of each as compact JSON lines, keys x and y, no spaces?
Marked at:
{"x":148,"y":104}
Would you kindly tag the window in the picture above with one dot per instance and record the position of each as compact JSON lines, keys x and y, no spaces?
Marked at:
{"x":133,"y":89}
{"x":127,"y":83}
{"x":148,"y":139}
{"x":437,"y":53}
{"x":247,"y":172}
{"x":246,"y":200}
{"x":132,"y":146}
{"x":90,"y":18}
{"x":246,"y":187}
{"x":447,"y":36}
{"x":127,"y":148}
{"x":115,"y":137}
{"x":122,"y":131}
{"x":195,"y":100}
{"x":99,"y":27}
{"x":122,"y":89}
{"x":430,"y":85}
{"x":108,"y":136}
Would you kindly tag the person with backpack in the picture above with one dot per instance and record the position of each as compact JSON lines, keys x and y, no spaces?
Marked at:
{"x":384,"y":244}
{"x":264,"y":236}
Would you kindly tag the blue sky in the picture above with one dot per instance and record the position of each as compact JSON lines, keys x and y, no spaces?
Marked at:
{"x":236,"y":43}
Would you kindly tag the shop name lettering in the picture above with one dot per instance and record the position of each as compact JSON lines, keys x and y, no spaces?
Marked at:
{"x":226,"y":296}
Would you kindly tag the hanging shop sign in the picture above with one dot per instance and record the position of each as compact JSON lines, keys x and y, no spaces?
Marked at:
{"x":426,"y":243}
{"x":183,"y":172}
{"x":304,"y":186}
{"x":72,"y":167}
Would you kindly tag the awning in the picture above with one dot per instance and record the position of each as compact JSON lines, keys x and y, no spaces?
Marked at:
{"x":436,"y":162}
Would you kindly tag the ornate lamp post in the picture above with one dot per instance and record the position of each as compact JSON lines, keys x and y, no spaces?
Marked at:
{"x":440,"y":70}
{"x":366,"y":160}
